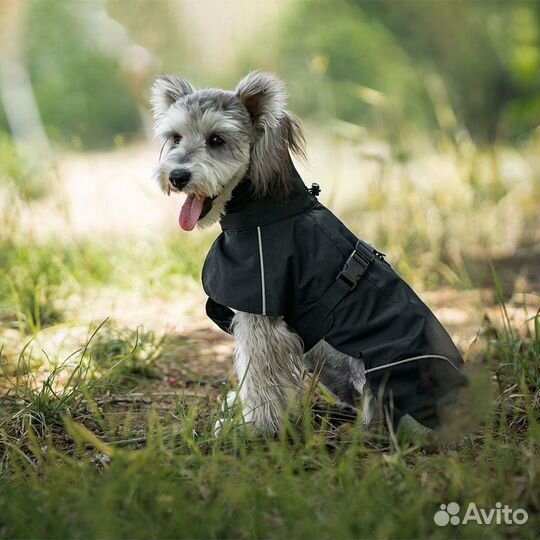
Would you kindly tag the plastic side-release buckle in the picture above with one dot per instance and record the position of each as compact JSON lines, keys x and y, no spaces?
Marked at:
{"x":354,"y":268}
{"x":352,"y":272}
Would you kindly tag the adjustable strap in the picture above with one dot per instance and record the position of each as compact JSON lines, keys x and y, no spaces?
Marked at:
{"x":353,"y":270}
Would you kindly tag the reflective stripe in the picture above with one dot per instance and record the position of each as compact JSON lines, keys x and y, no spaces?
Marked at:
{"x":263,"y":285}
{"x":412,"y":359}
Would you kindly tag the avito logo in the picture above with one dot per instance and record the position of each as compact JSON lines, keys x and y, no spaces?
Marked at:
{"x":500,"y":515}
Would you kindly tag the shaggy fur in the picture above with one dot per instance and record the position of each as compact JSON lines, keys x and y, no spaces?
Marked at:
{"x":268,"y":365}
{"x":342,"y":375}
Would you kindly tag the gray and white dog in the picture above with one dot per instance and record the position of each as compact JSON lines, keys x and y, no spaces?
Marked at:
{"x":211,"y":138}
{"x":291,"y":277}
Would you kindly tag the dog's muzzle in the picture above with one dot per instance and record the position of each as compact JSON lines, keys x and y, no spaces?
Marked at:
{"x":179,"y":178}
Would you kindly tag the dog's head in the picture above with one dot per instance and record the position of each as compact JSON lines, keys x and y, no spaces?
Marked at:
{"x":212,"y":138}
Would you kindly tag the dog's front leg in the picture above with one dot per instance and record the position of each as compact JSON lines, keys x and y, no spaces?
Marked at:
{"x":268,"y":364}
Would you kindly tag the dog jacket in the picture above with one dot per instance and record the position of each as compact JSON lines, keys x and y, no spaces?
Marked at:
{"x":294,"y":259}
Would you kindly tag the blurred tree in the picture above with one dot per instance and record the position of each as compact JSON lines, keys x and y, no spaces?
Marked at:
{"x":339,"y":64}
{"x":81,"y":90}
{"x":374,"y":62}
{"x":20,"y":110}
{"x":488,"y":54}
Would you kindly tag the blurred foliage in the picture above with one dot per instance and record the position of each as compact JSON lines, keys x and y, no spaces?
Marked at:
{"x":392,"y":66}
{"x":26,"y":184}
{"x":340,"y":61}
{"x":381,"y":61}
{"x":488,"y":54}
{"x":91,"y":65}
{"x":83,"y":96}
{"x":430,"y":219}
{"x":158,"y":30}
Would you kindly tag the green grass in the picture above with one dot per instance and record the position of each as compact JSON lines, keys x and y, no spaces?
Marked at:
{"x":38,"y":278}
{"x":25,"y":183}
{"x":62,"y":459}
{"x":126,"y":355}
{"x":275,"y":490}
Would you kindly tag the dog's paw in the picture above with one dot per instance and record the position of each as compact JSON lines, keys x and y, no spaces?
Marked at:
{"x":218,"y":427}
{"x":228,"y":412}
{"x":230,"y":401}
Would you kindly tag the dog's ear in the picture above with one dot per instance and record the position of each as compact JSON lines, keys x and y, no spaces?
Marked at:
{"x":276,"y":132}
{"x":166,"y":90}
{"x":265,"y":98}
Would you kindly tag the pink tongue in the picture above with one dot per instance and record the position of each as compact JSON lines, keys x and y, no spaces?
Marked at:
{"x":191,"y":210}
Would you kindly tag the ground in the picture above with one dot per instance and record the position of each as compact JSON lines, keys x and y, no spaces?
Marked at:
{"x":112,"y":376}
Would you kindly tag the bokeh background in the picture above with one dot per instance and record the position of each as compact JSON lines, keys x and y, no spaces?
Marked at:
{"x":422,"y":120}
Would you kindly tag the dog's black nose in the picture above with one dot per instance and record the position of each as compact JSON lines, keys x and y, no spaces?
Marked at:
{"x":179,"y":178}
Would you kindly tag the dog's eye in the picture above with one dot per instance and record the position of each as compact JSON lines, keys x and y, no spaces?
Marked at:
{"x":176,"y":139}
{"x":215,"y":140}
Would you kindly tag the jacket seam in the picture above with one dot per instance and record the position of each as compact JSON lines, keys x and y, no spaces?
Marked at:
{"x":328,"y":237}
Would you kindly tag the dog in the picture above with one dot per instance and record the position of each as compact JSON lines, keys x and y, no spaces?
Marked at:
{"x":297,"y":290}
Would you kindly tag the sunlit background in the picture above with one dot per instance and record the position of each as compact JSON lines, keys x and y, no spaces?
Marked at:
{"x":444,"y":95}
{"x":422,"y":121}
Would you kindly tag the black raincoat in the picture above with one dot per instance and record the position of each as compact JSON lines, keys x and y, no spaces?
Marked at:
{"x":294,"y":259}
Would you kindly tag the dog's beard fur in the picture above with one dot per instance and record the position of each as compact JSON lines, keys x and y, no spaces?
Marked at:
{"x":254,"y":124}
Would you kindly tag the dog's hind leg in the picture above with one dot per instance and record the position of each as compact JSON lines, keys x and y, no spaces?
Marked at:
{"x":268,"y":364}
{"x":341,"y":375}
